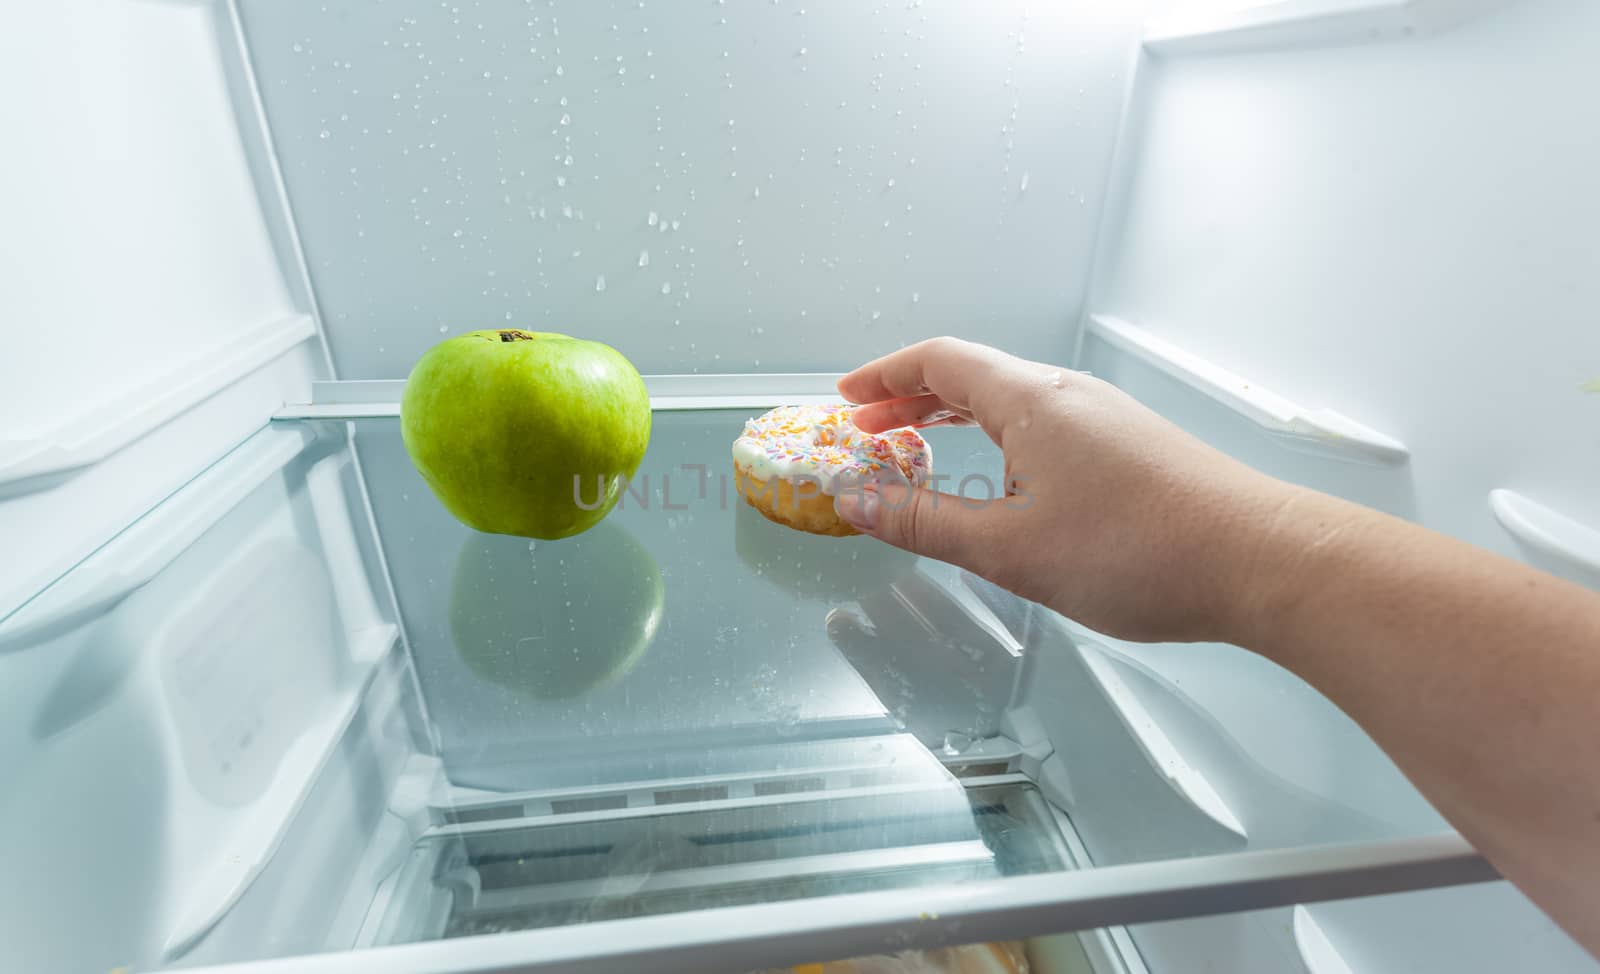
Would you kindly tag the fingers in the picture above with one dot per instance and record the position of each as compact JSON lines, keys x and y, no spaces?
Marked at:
{"x":966,"y":377}
{"x":927,"y":410}
{"x":943,"y":526}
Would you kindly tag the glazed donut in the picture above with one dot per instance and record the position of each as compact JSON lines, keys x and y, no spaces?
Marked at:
{"x":1006,"y":958}
{"x":790,"y":462}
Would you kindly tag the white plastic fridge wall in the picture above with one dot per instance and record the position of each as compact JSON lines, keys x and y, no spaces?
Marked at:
{"x":155,"y":308}
{"x":202,"y":725}
{"x":740,"y":187}
{"x":1401,"y":230}
{"x":167,"y":731}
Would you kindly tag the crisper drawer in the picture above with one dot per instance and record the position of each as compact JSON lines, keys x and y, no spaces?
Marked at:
{"x":299,"y":716}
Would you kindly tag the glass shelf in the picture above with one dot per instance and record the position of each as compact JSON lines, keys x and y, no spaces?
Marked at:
{"x":657,"y":737}
{"x":684,"y":624}
{"x":699,"y":671}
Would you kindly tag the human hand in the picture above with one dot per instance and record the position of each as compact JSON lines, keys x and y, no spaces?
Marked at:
{"x":1115,"y":517}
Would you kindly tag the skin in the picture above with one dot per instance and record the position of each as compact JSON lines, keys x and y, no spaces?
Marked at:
{"x":1478,"y":675}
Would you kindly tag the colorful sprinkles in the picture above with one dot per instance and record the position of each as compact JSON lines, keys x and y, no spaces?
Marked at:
{"x":822,"y":442}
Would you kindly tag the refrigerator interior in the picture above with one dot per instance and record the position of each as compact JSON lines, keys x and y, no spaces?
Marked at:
{"x":263,"y":698}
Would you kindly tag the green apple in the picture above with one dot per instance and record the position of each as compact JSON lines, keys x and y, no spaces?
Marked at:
{"x":553,"y":620}
{"x":524,"y":432}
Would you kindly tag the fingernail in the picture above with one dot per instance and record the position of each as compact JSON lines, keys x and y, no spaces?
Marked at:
{"x":937,"y":416}
{"x":859,"y":507}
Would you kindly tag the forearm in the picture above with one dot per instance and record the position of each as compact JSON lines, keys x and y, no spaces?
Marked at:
{"x":1479,"y":676}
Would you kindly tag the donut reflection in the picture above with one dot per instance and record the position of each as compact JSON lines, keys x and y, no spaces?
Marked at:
{"x":812,"y":566}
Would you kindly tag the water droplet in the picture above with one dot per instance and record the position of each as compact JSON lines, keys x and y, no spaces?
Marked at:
{"x":956,"y":742}
{"x":644,"y":258}
{"x":891,"y":184}
{"x":652,"y":219}
{"x":916,"y":296}
{"x":600,"y":282}
{"x":566,"y":119}
{"x":676,"y":224}
{"x":456,"y":234}
{"x":443,"y":329}
{"x":666,"y":288}
{"x":297,"y":47}
{"x":567,"y":161}
{"x":876,"y":315}
{"x":561,"y":180}
{"x":1024,"y":187}
{"x":323,"y":134}
{"x":560,"y":71}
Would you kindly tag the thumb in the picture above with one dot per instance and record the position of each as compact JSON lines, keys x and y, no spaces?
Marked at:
{"x":937,"y":525}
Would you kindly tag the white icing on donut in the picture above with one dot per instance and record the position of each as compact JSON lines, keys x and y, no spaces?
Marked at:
{"x":821,"y":442}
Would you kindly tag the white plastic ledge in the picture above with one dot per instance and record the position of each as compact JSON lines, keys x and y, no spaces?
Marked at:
{"x":1256,"y":25}
{"x":1316,"y":950}
{"x":45,"y":457}
{"x":1320,"y":431}
{"x":1158,"y":748}
{"x":1548,"y":532}
{"x":376,"y":398}
{"x":138,"y":554}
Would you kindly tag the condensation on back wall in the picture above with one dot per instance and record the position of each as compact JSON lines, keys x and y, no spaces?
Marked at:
{"x":710,"y":186}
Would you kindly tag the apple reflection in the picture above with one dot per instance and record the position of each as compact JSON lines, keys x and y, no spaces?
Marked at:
{"x":555,"y":619}
{"x":811,"y":566}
